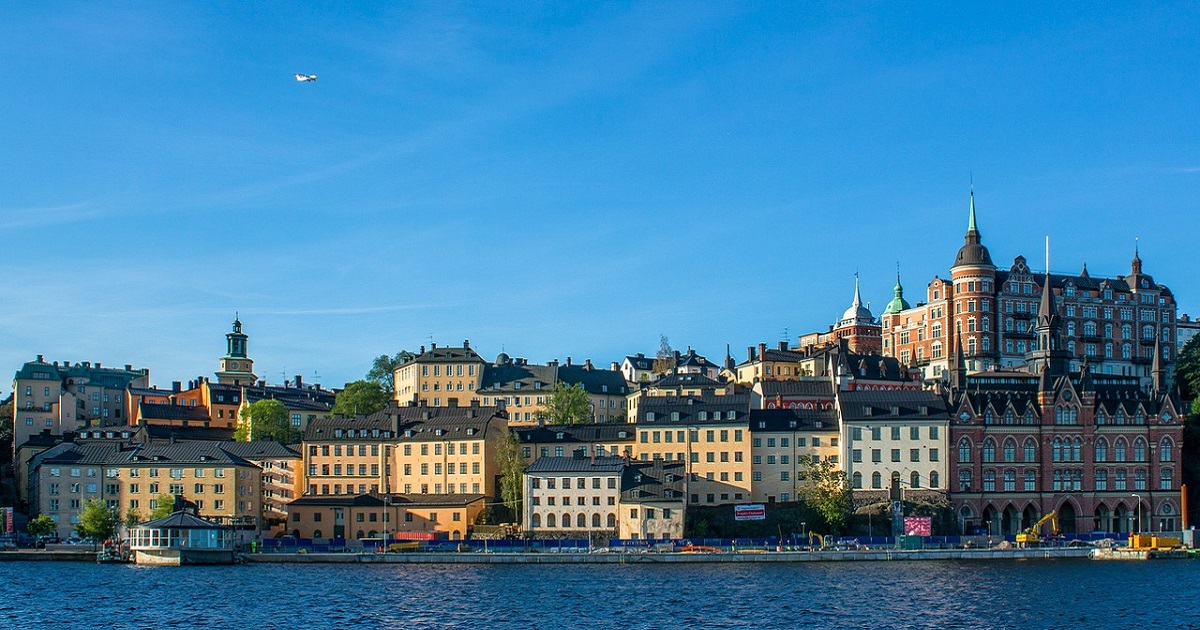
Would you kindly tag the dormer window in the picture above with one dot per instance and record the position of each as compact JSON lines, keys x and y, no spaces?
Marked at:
{"x":762,"y":425}
{"x":622,"y":434}
{"x":649,"y":416}
{"x":517,"y":385}
{"x":337,"y":433}
{"x":408,"y":433}
{"x":537,"y":385}
{"x":471,"y":431}
{"x":868,"y":411}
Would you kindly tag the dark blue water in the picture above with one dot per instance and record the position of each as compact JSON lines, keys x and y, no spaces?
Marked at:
{"x":1029,"y":594}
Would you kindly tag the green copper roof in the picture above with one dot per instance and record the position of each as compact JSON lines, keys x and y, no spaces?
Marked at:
{"x":898,"y":302}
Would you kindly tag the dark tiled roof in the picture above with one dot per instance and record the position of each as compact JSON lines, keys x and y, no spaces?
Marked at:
{"x":155,"y":411}
{"x":260,"y":449}
{"x":652,"y":481}
{"x":815,"y":387}
{"x":95,"y":453}
{"x":693,"y":360}
{"x":873,"y":367}
{"x":116,"y":378}
{"x":593,"y":380}
{"x":641,"y":362}
{"x":576,"y":433}
{"x":164,"y":433}
{"x":305,"y":398}
{"x":181,"y":520}
{"x":687,"y":380}
{"x":151,"y":391}
{"x":908,"y":405}
{"x":411,"y":423}
{"x":446,"y":354}
{"x":598,"y":465}
{"x":774,"y":420}
{"x":506,"y":378}
{"x":689,"y":409}
{"x":186,"y":453}
{"x":380,"y":500}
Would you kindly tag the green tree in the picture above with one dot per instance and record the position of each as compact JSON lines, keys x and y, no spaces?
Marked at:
{"x":360,"y":398}
{"x":164,"y":507}
{"x":1187,"y":369}
{"x":824,"y":488}
{"x":264,"y":419}
{"x":133,"y":518}
{"x":568,"y":404}
{"x":97,"y":520}
{"x":512,"y":468}
{"x":383,"y":369}
{"x":664,"y":360}
{"x":41,"y":525}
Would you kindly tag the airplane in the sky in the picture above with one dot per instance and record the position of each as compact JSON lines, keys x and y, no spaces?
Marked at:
{"x":306,"y":78}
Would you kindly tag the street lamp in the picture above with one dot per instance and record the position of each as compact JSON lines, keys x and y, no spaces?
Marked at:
{"x":1137,"y":511}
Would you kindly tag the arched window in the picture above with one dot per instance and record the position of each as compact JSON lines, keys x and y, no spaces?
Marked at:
{"x":1119,"y":451}
{"x":988,"y":418}
{"x":915,"y":480}
{"x":933,"y":479}
{"x":1076,"y":448}
{"x":566,"y":521}
{"x":596,"y":520}
{"x":611,"y":520}
{"x":857,"y":481}
{"x":964,"y":451}
{"x":359,"y":534}
{"x":1139,"y":450}
{"x":1101,"y":450}
{"x":581,"y":520}
{"x":1120,"y":416}
{"x":1058,"y":449}
{"x":989,"y":481}
{"x":1164,"y":449}
{"x":1030,"y":480}
{"x":1070,"y":329}
{"x":551,"y":520}
{"x":876,"y":480}
{"x":537,"y":520}
{"x":1010,"y":450}
{"x":1030,"y":448}
{"x":1008,"y":417}
{"x":1028,"y":416}
{"x":317,"y":533}
{"x":989,"y":450}
{"x":1010,"y":481}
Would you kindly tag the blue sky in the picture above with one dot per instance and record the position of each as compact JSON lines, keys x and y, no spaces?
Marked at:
{"x":560,"y":179}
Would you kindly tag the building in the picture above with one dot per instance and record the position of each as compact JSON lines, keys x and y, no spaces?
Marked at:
{"x":894,"y":438}
{"x":65,"y":397}
{"x":1186,"y":329}
{"x":414,"y":449}
{"x":779,"y":364}
{"x":709,"y":432}
{"x":782,"y":440}
{"x":304,"y":403}
{"x":440,"y":376}
{"x":385,"y":516}
{"x":677,"y":385}
{"x":1112,"y":323}
{"x":237,"y":368}
{"x":524,"y":388}
{"x":564,"y":440}
{"x":803,"y":393}
{"x":282,"y":478}
{"x":652,"y":504}
{"x":857,"y":329}
{"x":225,"y":488}
{"x":1097,"y":449}
{"x":573,"y":496}
{"x":638,"y":368}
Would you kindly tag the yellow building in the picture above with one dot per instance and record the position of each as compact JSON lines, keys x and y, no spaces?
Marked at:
{"x":440,"y":376}
{"x":387,"y":517}
{"x":652,"y":502}
{"x":412,"y":450}
{"x":676,"y":385}
{"x":782,"y":440}
{"x":564,"y":440}
{"x":710,"y":433}
{"x":765,"y":364}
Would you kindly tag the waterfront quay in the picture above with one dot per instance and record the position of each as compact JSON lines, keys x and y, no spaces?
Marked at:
{"x":873,"y":555}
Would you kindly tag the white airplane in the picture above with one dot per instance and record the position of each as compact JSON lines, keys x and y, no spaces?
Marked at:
{"x":306,"y":78}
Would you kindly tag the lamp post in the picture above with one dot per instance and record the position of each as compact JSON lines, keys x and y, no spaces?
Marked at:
{"x":1137,"y":512}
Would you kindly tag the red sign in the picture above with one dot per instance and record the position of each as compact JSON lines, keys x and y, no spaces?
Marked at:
{"x":751,"y":512}
{"x":918,"y":526}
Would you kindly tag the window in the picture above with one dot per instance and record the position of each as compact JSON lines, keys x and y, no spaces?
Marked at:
{"x":989,"y":451}
{"x":989,"y":481}
{"x":1030,"y":448}
{"x":964,"y":451}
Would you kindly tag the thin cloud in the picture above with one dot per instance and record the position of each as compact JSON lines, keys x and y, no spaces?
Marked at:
{"x":1187,"y":169}
{"x":16,"y":218}
{"x":360,"y":310}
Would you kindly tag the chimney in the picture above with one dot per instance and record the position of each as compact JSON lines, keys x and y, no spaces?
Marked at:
{"x":97,"y":365}
{"x":641,"y":355}
{"x":87,"y":365}
{"x":568,"y":361}
{"x":762,"y":349}
{"x":128,"y":367}
{"x":40,"y":359}
{"x":750,"y":353}
{"x":587,"y":364}
{"x":554,"y":363}
{"x":782,"y":345}
{"x":432,"y":346}
{"x":422,"y":349}
{"x":299,"y":382}
{"x":467,"y":344}
{"x":176,"y":386}
{"x":614,"y":366}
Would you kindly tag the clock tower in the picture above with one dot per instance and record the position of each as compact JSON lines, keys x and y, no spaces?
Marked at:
{"x":236,"y":367}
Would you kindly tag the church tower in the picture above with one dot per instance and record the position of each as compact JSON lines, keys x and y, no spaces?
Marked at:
{"x":1050,"y":359}
{"x":236,"y":367}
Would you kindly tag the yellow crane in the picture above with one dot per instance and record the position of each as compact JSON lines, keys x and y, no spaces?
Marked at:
{"x":1031,"y":536}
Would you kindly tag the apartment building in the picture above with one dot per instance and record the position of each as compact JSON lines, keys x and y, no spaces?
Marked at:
{"x":782,"y":441}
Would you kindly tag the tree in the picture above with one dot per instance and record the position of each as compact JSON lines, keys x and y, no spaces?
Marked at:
{"x":6,"y":431}
{"x":41,"y":525}
{"x":264,"y":419}
{"x":824,"y":488}
{"x":360,"y":398}
{"x":164,"y":507}
{"x":512,"y":469}
{"x":664,"y":361}
{"x":133,"y":518}
{"x":1187,"y":369}
{"x":97,"y":521}
{"x":383,"y":369}
{"x":568,"y":404}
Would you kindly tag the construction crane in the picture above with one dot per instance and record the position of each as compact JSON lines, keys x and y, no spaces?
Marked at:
{"x":1031,"y":536}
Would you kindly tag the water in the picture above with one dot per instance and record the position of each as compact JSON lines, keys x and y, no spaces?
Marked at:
{"x":999,"y":594}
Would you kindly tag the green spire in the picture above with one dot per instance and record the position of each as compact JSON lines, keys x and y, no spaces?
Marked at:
{"x":971,"y":224}
{"x":898,"y":302}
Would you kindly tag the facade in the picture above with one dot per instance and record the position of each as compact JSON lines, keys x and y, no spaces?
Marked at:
{"x":676,"y":385}
{"x":778,"y":364}
{"x":304,"y":403}
{"x":524,"y":389}
{"x":564,"y":440}
{"x":638,"y":368}
{"x":386,"y":516}
{"x":782,"y":440}
{"x":894,"y":437}
{"x":1095,"y":448}
{"x":415,"y":449}
{"x":65,"y":397}
{"x":801,"y":393}
{"x":440,"y":376}
{"x":1186,"y":329}
{"x":857,"y":329}
{"x":282,"y":478}
{"x":573,"y":496}
{"x":1111,"y":323}
{"x":710,"y":433}
{"x":225,"y":488}
{"x":652,"y":502}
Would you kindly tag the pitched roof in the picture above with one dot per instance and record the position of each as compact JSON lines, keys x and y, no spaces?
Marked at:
{"x":576,"y":433}
{"x":596,"y":465}
{"x":380,"y":500}
{"x":813,"y":387}
{"x":687,"y":380}
{"x":166,"y":433}
{"x":692,"y":409}
{"x":593,"y":380}
{"x":892,"y":405}
{"x":656,"y":480}
{"x":410,"y":423}
{"x":775,"y":420}
{"x":157,"y":411}
{"x":181,"y":520}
